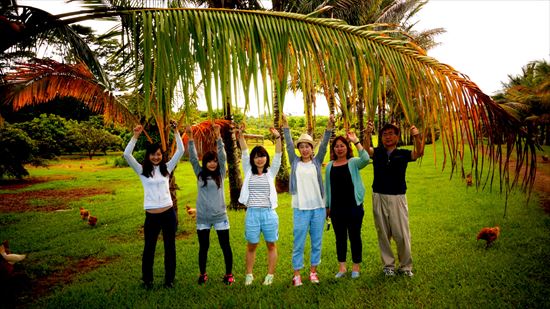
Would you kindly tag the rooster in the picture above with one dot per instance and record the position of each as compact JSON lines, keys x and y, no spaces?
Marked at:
{"x":191,"y":211}
{"x":489,"y":234}
{"x":92,"y":220}
{"x":10,"y":257}
{"x":84,"y":213}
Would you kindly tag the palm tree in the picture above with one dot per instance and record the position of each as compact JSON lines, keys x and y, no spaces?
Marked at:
{"x":232,"y":44}
{"x":527,"y":97}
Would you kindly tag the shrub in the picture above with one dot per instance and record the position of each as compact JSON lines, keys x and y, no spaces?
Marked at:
{"x":16,"y":150}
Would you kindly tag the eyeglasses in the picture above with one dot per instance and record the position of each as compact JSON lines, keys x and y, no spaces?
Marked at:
{"x":389,"y":134}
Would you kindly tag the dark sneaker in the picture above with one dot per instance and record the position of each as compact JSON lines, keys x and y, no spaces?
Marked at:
{"x":169,"y":284}
{"x":389,"y":272}
{"x":202,"y":279}
{"x":228,"y":279}
{"x":148,"y":285}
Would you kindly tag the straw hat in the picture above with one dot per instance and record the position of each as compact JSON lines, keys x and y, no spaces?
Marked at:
{"x":305,"y":138}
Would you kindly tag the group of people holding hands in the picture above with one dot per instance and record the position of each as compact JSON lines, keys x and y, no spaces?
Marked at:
{"x":339,"y":198}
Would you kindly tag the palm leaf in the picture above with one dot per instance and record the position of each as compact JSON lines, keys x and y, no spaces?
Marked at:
{"x":344,"y":57}
{"x":43,"y":80}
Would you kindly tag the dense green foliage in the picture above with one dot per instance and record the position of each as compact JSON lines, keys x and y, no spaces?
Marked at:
{"x":16,"y":151}
{"x":451,"y":268}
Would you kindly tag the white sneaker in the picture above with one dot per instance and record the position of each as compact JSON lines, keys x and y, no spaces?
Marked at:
{"x":248,"y":279}
{"x":268,"y":279}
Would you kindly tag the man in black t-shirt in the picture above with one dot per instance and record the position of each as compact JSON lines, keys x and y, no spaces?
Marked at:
{"x":389,"y":202}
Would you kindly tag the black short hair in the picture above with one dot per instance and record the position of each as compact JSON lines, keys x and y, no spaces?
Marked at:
{"x":390,"y":126}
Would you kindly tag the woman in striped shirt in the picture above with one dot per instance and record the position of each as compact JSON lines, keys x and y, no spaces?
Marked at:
{"x":260,"y":197}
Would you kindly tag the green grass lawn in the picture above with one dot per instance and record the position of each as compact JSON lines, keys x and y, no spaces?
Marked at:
{"x":71,"y":264}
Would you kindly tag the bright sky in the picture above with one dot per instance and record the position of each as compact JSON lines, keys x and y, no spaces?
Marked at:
{"x":485,"y":39}
{"x":489,"y":39}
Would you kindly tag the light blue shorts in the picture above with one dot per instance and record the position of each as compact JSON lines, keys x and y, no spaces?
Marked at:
{"x":261,"y":220}
{"x":220,"y":226}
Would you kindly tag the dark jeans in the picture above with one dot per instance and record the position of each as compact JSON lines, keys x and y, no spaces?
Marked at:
{"x":204,"y":244}
{"x":154,"y":223}
{"x":347,"y":222}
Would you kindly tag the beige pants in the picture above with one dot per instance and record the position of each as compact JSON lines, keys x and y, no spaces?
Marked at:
{"x":391,"y":219}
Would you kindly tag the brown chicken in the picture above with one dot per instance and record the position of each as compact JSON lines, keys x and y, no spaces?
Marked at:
{"x":489,"y":234}
{"x":191,"y":211}
{"x":84,"y":213}
{"x":469,"y":180}
{"x":92,"y":220}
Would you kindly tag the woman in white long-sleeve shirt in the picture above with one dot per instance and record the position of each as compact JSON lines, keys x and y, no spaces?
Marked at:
{"x":154,"y":174}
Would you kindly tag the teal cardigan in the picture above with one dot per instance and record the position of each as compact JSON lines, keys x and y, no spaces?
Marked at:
{"x":354,"y":165}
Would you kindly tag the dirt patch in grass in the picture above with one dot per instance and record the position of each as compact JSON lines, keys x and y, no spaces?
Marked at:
{"x":541,"y":185}
{"x":16,"y":184}
{"x":23,"y":290}
{"x":49,"y":200}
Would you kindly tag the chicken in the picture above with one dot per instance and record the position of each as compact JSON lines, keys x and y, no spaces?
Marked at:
{"x":84,"y":213}
{"x":92,"y":220}
{"x":10,"y":257}
{"x":489,"y":234}
{"x":545,"y":158}
{"x":469,"y":179}
{"x":191,"y":211}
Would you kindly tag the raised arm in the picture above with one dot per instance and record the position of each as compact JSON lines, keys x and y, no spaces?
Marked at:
{"x":171,"y":165}
{"x":418,"y":150}
{"x":132,"y":162}
{"x":277,"y":136}
{"x":321,"y":152}
{"x":193,"y":157}
{"x":242,"y":141}
{"x":222,"y":157}
{"x":288,"y":140}
{"x":276,"y":164}
{"x":368,"y":138}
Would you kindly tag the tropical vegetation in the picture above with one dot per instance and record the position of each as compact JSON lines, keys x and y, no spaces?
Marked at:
{"x":169,"y":53}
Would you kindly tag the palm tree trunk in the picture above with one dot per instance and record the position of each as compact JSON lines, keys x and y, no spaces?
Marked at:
{"x":360,"y":118}
{"x":233,"y":161}
{"x":282,"y":179}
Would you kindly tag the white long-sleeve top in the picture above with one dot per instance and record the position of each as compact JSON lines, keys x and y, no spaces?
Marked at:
{"x":156,"y":189}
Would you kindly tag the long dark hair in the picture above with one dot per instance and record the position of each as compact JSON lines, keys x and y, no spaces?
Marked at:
{"x":258,"y":151}
{"x":148,"y":166}
{"x":205,"y":172}
{"x":333,"y":156}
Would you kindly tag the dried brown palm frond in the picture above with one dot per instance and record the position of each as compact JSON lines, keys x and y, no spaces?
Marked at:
{"x":42,"y":80}
{"x":204,"y":136}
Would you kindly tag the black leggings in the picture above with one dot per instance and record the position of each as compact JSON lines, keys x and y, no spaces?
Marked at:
{"x":348,"y":221}
{"x":154,"y":223}
{"x":204,"y":243}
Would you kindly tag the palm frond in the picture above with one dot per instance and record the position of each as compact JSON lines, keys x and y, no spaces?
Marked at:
{"x":174,"y":44}
{"x":43,"y":80}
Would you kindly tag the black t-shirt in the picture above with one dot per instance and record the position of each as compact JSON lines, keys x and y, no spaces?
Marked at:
{"x":389,"y":171}
{"x":342,"y":191}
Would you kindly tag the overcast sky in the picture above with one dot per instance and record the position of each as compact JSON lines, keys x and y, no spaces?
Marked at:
{"x":489,"y":39}
{"x":485,"y":39}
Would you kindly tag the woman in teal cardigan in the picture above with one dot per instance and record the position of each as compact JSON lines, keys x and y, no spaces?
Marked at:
{"x":344,"y":192}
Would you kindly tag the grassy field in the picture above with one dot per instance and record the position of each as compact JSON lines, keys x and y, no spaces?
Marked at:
{"x":71,"y":264}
